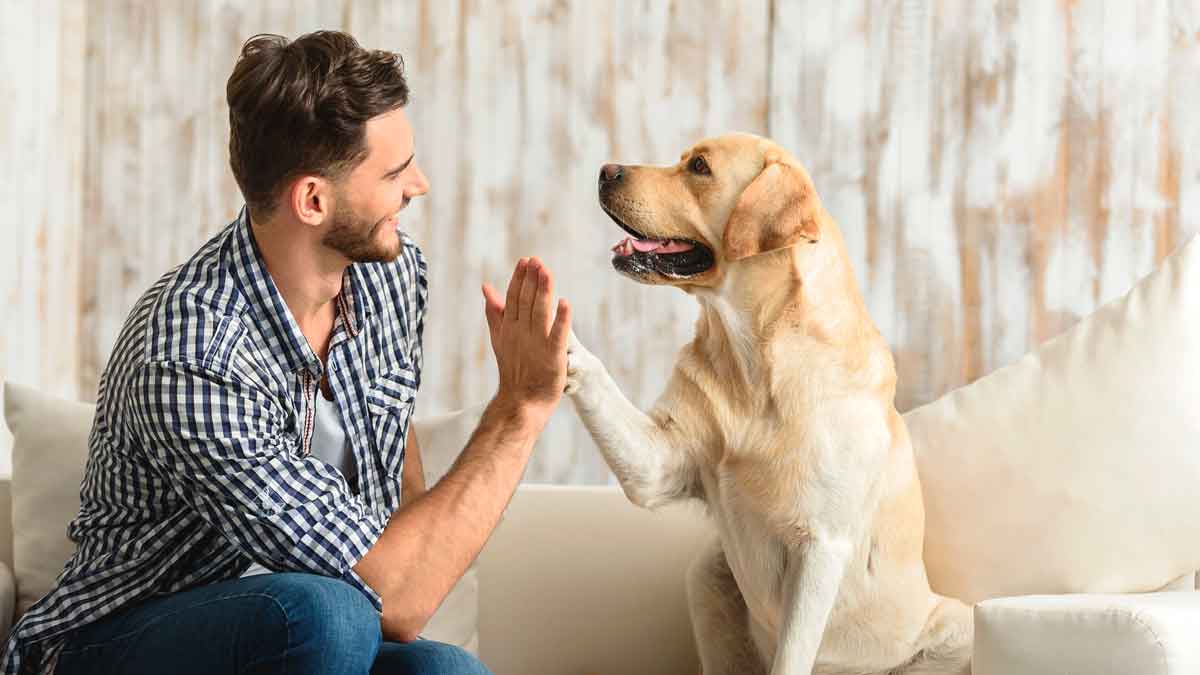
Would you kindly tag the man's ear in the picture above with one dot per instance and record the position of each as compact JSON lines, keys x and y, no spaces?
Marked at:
{"x":309,"y":198}
{"x":778,"y":209}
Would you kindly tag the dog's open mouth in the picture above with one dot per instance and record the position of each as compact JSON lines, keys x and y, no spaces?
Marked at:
{"x":640,"y":255}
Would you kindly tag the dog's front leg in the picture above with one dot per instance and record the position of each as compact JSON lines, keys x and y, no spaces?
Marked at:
{"x":642,"y":454}
{"x":810,"y":589}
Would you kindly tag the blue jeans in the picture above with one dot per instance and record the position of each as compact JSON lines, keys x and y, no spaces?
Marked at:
{"x":272,"y":623}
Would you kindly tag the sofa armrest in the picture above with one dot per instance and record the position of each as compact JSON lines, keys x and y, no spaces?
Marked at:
{"x":1098,"y":634}
{"x":8,"y":601}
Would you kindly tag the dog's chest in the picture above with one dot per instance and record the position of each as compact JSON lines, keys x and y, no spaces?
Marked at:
{"x":756,"y":556}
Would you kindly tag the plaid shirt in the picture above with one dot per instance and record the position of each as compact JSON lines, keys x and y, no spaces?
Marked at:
{"x":199,"y":457}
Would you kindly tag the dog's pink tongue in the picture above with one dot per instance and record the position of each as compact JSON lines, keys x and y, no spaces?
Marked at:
{"x":659,"y":246}
{"x":628,"y":245}
{"x":675,"y":247}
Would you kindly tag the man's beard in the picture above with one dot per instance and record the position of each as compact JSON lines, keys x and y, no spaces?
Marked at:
{"x":354,"y":237}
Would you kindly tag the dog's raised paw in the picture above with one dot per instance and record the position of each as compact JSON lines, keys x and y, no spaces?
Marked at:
{"x":573,"y":373}
{"x":579,"y":360}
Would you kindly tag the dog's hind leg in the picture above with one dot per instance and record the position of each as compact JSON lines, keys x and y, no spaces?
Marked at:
{"x":946,"y":642}
{"x":720,"y":620}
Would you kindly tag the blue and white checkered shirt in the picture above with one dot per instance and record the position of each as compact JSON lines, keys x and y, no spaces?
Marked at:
{"x":199,"y":457}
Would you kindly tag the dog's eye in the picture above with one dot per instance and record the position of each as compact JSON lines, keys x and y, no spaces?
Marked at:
{"x":699,"y":166}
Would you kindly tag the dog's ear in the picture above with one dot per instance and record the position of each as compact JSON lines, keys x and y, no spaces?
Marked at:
{"x":778,"y":209}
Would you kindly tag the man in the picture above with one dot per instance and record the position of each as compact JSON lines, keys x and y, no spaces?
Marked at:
{"x":253,"y":501}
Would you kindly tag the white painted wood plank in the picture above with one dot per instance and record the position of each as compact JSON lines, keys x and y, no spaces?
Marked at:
{"x":998,"y":168}
{"x":40,"y":174}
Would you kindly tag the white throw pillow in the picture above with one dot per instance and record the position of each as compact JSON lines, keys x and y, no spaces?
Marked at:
{"x":441,"y":439}
{"x":48,"y":455}
{"x":5,"y":440}
{"x":1076,"y":469}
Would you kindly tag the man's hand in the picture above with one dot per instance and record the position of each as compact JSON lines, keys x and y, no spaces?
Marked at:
{"x":431,"y":540}
{"x":529,"y":339}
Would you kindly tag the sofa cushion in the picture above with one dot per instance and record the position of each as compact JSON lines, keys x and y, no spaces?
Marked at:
{"x":1076,"y":468}
{"x":1148,"y":634}
{"x":49,"y":451}
{"x":579,"y":580}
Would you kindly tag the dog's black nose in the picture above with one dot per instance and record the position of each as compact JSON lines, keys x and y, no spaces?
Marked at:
{"x":610,"y":173}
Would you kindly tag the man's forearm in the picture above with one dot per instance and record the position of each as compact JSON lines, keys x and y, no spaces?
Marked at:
{"x":429,"y":543}
{"x":412,"y":477}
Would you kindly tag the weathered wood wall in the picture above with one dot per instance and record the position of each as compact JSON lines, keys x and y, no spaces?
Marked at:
{"x":999,"y":168}
{"x":42,"y":174}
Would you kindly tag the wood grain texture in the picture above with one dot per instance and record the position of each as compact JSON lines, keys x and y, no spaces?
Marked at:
{"x":999,"y":168}
{"x":517,"y":106}
{"x":41,"y":174}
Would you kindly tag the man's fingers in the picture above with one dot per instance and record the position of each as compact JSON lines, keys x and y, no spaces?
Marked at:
{"x":542,"y":302}
{"x":513,"y":300}
{"x":562,"y":325}
{"x":492,"y":296}
{"x":492,"y":309}
{"x":529,"y":288}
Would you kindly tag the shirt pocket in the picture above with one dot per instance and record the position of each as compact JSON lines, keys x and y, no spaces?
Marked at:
{"x":390,"y":402}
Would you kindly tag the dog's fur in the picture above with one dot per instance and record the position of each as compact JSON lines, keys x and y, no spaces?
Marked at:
{"x":780,"y":417}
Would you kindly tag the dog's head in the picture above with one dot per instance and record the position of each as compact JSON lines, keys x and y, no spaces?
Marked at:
{"x":728,"y":199}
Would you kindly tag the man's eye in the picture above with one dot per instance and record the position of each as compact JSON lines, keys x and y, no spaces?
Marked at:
{"x":699,"y":166}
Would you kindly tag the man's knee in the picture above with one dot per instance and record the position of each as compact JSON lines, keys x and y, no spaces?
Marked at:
{"x":331,"y":625}
{"x":459,"y":661}
{"x":426,"y":657}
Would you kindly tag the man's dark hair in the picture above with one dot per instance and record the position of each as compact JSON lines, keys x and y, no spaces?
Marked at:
{"x":300,"y":107}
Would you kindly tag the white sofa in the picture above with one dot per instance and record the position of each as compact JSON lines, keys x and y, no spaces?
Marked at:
{"x":574,"y":580}
{"x":1062,"y":496}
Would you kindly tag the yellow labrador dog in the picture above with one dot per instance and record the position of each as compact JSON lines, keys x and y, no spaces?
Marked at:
{"x":780,"y":417}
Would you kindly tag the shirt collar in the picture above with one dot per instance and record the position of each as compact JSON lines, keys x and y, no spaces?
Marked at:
{"x":272,"y":312}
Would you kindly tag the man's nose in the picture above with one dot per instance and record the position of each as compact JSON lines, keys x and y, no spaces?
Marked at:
{"x":421,"y":185}
{"x":610,"y":173}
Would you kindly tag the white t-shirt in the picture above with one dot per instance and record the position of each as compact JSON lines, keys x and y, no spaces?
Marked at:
{"x":328,"y":445}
